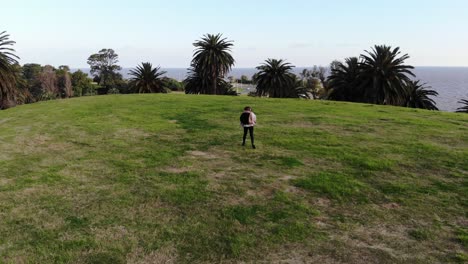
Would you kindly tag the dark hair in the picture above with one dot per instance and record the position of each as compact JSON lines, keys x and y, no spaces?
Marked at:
{"x":247,"y":108}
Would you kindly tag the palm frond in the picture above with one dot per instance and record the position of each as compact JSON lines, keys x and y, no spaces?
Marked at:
{"x":419,"y":96}
{"x":385,"y":76}
{"x":464,"y":107}
{"x":276,"y":79}
{"x":7,"y":73}
{"x":146,"y":79}
{"x":212,"y":58}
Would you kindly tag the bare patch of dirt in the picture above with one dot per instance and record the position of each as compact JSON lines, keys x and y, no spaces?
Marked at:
{"x":293,"y":189}
{"x":287,"y":178}
{"x":218,"y":175}
{"x":296,"y":254}
{"x":164,"y":255}
{"x":177,"y":169}
{"x":391,"y":206}
{"x":382,"y":242}
{"x":462,"y":221}
{"x":202,"y":154}
{"x":5,"y":181}
{"x":322,"y":202}
{"x":5,"y":156}
{"x":4,"y":120}
{"x":41,"y":144}
{"x":112,"y":234}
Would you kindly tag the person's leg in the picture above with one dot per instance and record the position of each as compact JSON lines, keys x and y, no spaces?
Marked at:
{"x":251,"y":130}
{"x":245,"y":135}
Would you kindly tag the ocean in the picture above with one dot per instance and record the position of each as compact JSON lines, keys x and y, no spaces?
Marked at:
{"x":450,"y":82}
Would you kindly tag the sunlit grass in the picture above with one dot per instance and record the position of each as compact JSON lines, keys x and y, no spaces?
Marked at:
{"x":150,"y":178}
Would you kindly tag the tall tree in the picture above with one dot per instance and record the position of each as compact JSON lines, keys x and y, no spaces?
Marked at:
{"x":385,"y":75}
{"x":146,"y":79}
{"x":419,"y":96}
{"x":7,"y":72}
{"x":23,"y":94}
{"x":276,"y":79}
{"x":213,"y":59}
{"x":314,"y":80}
{"x":64,"y":81}
{"x":198,"y":83}
{"x":49,"y":83}
{"x":82,"y":84}
{"x":334,"y":64}
{"x":464,"y":107}
{"x":345,"y":81}
{"x":31,"y":73}
{"x":104,"y":67}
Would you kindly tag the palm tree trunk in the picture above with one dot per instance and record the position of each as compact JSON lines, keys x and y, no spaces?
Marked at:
{"x":5,"y":101}
{"x":215,"y":80}
{"x":215,"y":85}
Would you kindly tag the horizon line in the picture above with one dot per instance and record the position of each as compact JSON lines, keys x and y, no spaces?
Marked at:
{"x":253,"y":67}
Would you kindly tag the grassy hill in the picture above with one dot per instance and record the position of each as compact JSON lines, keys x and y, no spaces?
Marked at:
{"x":154,"y":178}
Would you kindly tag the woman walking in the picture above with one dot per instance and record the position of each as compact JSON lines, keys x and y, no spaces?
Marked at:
{"x":248,"y":121}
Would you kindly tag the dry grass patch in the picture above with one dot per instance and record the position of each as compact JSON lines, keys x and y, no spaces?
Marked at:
{"x":164,"y":255}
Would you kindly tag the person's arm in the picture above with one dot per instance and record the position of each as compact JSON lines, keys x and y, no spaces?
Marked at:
{"x":253,"y":119}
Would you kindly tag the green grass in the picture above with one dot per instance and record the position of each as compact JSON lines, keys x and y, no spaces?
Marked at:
{"x":163,"y":178}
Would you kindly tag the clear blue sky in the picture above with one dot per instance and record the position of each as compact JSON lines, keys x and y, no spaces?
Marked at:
{"x":305,"y":32}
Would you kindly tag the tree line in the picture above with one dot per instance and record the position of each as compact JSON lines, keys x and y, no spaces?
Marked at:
{"x":379,"y":76}
{"x":31,"y":82}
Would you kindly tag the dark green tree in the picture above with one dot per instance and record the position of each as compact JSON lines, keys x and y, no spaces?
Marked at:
{"x":213,"y":59}
{"x":64,"y":81}
{"x":23,"y":94}
{"x":334,"y":64}
{"x":7,"y":72}
{"x":384,"y":75}
{"x":464,"y":107}
{"x":82,"y":84}
{"x":146,"y":79}
{"x":344,"y":82}
{"x":105,"y":69}
{"x":419,"y":96}
{"x":173,"y":84}
{"x":276,"y":79}
{"x":198,"y":83}
{"x":31,"y":73}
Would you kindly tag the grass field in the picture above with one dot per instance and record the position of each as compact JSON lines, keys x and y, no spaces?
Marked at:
{"x":163,"y":179}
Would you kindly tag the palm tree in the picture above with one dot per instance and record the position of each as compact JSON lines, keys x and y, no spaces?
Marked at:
{"x":464,"y":108}
{"x":419,"y":96}
{"x":385,"y":75}
{"x":197,"y":83}
{"x":344,"y":82}
{"x":7,"y":73}
{"x":276,"y":79}
{"x":147,"y":79}
{"x":304,"y":89}
{"x":212,"y":58}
